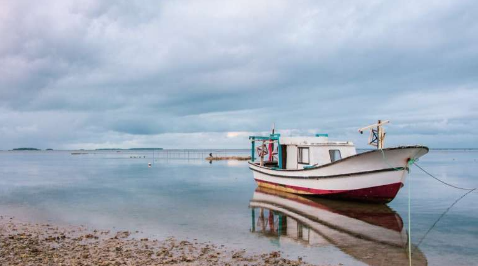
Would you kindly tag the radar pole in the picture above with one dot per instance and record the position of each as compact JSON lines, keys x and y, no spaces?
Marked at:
{"x":377,"y":133}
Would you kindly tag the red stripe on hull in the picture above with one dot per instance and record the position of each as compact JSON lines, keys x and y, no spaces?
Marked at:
{"x":385,"y":193}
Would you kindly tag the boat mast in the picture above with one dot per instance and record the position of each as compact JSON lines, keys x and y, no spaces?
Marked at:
{"x":377,"y":133}
{"x":380,"y":135}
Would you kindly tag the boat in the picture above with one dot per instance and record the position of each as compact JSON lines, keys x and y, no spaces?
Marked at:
{"x":314,"y":165}
{"x":369,"y":233}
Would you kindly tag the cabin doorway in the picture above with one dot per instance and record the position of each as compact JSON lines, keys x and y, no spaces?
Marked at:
{"x":284,"y":156}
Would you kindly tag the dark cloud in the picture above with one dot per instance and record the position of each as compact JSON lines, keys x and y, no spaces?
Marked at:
{"x":84,"y":73}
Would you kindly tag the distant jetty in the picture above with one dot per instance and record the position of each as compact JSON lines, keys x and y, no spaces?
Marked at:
{"x":220,"y":158}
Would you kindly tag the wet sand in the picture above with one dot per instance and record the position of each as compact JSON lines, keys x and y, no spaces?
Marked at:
{"x":25,"y":243}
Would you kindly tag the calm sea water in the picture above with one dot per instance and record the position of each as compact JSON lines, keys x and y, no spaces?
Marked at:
{"x":218,"y":202}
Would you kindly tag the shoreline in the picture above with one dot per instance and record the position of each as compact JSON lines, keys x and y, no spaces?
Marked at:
{"x":26,"y":243}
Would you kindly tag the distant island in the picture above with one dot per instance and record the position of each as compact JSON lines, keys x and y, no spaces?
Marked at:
{"x":145,"y":149}
{"x":26,"y":149}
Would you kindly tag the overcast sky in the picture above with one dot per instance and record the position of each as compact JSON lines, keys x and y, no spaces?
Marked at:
{"x":206,"y":74}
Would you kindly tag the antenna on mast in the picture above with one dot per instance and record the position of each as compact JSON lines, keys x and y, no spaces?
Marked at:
{"x":377,"y":133}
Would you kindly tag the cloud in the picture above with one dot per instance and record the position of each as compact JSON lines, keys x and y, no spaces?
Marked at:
{"x":84,"y":72}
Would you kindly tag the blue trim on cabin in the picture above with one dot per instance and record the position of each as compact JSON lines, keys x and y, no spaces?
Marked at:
{"x":253,"y":150}
{"x":275,"y":136}
{"x":254,"y":138}
{"x":310,"y":166}
{"x":271,"y":136}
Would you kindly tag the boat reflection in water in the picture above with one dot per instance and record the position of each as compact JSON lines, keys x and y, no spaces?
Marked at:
{"x":370,"y":233}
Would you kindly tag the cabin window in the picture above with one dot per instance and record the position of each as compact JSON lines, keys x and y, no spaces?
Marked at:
{"x":303,"y":155}
{"x":334,"y":155}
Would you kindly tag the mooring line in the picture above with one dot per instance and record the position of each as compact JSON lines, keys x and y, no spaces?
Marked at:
{"x":414,"y":162}
{"x":441,"y":216}
{"x":409,"y":225}
{"x":448,"y":184}
{"x":469,"y":190}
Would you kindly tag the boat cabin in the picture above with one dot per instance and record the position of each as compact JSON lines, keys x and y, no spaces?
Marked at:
{"x":292,"y":153}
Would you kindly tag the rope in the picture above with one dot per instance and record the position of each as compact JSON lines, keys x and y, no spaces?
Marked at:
{"x":409,"y":164}
{"x":448,"y":184}
{"x":414,"y":162}
{"x":441,"y":216}
{"x":446,"y":211}
{"x":409,"y":224}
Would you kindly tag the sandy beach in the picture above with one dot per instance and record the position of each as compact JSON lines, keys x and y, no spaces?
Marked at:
{"x":26,"y":243}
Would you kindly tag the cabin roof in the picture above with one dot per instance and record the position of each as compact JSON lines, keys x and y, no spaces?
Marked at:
{"x":318,"y":140}
{"x":312,"y":141}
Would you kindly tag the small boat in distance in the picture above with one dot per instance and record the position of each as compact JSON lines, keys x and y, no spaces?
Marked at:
{"x":317,"y":166}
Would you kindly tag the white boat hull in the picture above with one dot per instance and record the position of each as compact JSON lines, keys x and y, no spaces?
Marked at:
{"x":371,"y":176}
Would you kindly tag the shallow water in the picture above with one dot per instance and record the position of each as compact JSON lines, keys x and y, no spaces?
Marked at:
{"x":218,"y":202}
